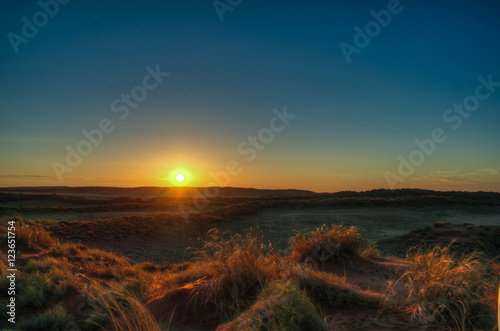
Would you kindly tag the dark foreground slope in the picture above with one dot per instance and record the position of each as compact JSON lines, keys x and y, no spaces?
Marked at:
{"x":461,"y":238}
{"x":331,"y":279}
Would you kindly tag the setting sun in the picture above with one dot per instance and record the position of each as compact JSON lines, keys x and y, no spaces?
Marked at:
{"x":179,"y":178}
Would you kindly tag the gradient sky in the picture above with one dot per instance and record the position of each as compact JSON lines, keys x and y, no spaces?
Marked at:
{"x":225,"y":77}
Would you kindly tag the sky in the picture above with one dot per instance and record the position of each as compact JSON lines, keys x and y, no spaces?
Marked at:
{"x":326,"y":96}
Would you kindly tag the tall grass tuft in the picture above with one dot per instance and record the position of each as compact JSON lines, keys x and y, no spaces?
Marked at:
{"x":237,"y":269}
{"x":32,"y":236}
{"x":280,"y":306}
{"x":337,"y":244}
{"x":120,"y":310}
{"x":448,"y":291}
{"x":43,"y":280}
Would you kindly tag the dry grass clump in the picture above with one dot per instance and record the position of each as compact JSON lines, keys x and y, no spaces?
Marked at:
{"x":242,"y":277}
{"x":29,"y":235}
{"x":54,"y":319}
{"x":237,"y":269}
{"x":370,"y":251}
{"x":44,"y":280}
{"x":118,"y":309}
{"x":94,"y":262}
{"x":59,"y":274}
{"x":242,"y":282}
{"x":118,"y":303}
{"x":336,"y":244}
{"x":3,"y":265}
{"x":280,"y":306}
{"x":449,"y":291}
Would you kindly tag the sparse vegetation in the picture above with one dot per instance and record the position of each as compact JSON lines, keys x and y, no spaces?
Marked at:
{"x":44,"y":280}
{"x":118,"y":309}
{"x":337,"y":243}
{"x":29,"y":235}
{"x":108,"y":284}
{"x":370,"y":251}
{"x":232,"y":275}
{"x":239,"y":282}
{"x":237,"y":270}
{"x":449,"y":291}
{"x":52,"y":320}
{"x":280,"y":306}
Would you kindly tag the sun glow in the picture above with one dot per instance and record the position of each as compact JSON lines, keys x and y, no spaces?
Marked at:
{"x":179,"y":178}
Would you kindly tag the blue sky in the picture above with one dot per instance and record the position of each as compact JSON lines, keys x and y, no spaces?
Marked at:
{"x":225,"y":77}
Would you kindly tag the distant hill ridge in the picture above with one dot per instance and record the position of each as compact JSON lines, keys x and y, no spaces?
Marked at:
{"x":155,"y":191}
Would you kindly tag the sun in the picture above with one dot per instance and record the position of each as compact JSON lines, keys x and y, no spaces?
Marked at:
{"x":179,"y":178}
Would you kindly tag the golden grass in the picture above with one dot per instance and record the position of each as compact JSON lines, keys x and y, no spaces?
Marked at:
{"x":118,"y":309}
{"x":370,"y":251}
{"x":30,"y":235}
{"x":237,"y":269}
{"x":447,"y":290}
{"x":114,"y":286}
{"x":280,"y":306}
{"x":250,"y":286}
{"x":337,"y":243}
{"x":43,"y":280}
{"x":3,"y":265}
